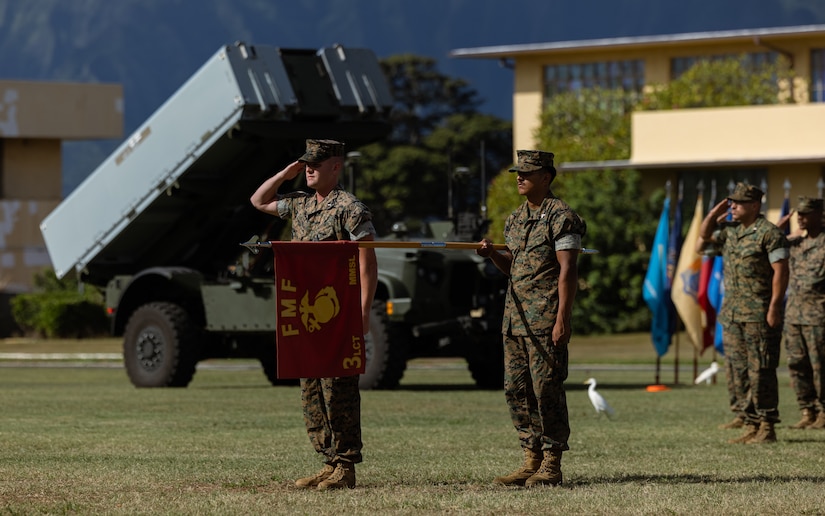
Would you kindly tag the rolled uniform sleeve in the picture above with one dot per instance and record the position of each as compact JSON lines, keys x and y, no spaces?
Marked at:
{"x":570,"y":241}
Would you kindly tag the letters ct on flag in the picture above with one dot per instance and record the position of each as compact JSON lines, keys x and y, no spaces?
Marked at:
{"x":319,"y":324}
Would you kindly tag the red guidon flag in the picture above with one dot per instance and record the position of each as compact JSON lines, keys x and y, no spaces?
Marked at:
{"x":319,"y":325}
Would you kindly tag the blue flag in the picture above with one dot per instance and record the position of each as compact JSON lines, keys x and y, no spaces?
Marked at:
{"x":655,"y":291}
{"x":674,"y":249}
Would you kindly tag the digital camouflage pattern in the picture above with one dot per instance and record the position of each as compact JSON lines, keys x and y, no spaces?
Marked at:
{"x":746,"y":193}
{"x":321,"y":150}
{"x":808,"y":204}
{"x":331,"y":406}
{"x":341,"y":216}
{"x":535,"y":369}
{"x":748,"y":271}
{"x":533,"y":298}
{"x":805,"y":320}
{"x":542,"y":423}
{"x":332,"y":413}
{"x":751,"y":346}
{"x":805,"y":346}
{"x":752,"y":351}
{"x":533,"y":160}
{"x":806,"y":282}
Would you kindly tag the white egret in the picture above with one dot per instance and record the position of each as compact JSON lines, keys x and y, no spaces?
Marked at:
{"x":707,"y":374}
{"x":598,"y":401}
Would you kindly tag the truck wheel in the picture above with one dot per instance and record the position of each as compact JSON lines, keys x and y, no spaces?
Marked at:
{"x":270,"y":366}
{"x":485,"y":361}
{"x":386,"y":352}
{"x":159,"y":346}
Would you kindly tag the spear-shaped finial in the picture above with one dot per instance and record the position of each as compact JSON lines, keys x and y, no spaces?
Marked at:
{"x":712,"y":199}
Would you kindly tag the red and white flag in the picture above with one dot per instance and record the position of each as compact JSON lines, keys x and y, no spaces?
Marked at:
{"x":319,"y":326}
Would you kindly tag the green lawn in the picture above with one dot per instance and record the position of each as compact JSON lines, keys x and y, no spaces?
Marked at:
{"x":82,"y":440}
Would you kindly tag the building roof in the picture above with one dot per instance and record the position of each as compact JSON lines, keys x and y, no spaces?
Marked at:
{"x":620,"y":164}
{"x":733,"y":36}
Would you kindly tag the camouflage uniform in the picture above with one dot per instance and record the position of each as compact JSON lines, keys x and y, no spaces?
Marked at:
{"x":805,"y":319}
{"x":331,"y":406}
{"x":751,"y":345}
{"x":535,"y":369}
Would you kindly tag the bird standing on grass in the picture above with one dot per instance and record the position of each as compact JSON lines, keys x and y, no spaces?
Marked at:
{"x":598,"y":401}
{"x":708,"y":374}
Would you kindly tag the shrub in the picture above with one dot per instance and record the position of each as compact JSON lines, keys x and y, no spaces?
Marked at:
{"x":59,"y":309}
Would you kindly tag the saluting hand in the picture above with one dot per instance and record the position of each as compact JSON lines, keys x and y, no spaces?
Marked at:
{"x":292,"y":170}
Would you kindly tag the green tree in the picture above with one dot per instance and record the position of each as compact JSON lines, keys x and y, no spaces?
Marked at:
{"x":621,"y":225}
{"x":423,"y":97}
{"x":594,"y":125}
{"x":436,"y":127}
{"x":723,"y":82}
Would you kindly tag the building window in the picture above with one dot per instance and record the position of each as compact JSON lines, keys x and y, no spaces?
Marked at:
{"x":751,"y":61}
{"x":818,"y":75}
{"x":716,"y":184}
{"x":626,"y":75}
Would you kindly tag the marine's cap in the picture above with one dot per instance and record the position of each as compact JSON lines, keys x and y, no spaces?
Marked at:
{"x":746,"y":193}
{"x":320,"y":150}
{"x":532,"y":160}
{"x":808,"y":204}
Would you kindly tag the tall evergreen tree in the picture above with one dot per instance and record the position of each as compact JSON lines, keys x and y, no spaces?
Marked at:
{"x":436,"y":129}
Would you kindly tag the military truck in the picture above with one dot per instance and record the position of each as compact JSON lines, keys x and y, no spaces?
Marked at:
{"x":157,"y":225}
{"x":436,"y":302}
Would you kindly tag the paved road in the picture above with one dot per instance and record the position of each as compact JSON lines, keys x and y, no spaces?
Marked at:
{"x":115,"y":360}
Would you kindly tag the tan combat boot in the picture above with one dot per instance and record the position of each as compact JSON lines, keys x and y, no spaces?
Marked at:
{"x":750,"y":431}
{"x":314,"y":480}
{"x":343,"y":476}
{"x":808,"y":418}
{"x":765,"y":435}
{"x":532,"y":462}
{"x":736,"y":422}
{"x":549,"y":474}
{"x":819,"y":424}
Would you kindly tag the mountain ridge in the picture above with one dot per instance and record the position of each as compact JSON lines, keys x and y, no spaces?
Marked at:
{"x":152,"y":47}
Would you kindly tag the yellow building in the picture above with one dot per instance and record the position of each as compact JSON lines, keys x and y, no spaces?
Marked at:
{"x":773,"y":146}
{"x":35,"y":118}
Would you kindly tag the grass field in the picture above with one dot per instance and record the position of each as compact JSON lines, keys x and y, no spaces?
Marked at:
{"x":77,"y":438}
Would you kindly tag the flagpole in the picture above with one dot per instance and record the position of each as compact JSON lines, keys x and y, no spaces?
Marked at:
{"x":658,"y":367}
{"x":700,"y":190}
{"x":695,"y":363}
{"x":253,"y":245}
{"x":676,"y":357}
{"x":713,"y":380}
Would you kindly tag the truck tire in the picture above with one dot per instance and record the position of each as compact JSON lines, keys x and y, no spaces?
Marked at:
{"x":270,"y":367}
{"x":485,"y":361}
{"x":386,"y":352}
{"x":159,"y":346}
